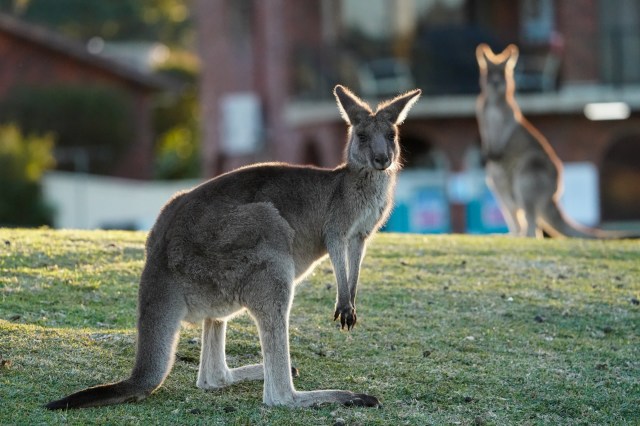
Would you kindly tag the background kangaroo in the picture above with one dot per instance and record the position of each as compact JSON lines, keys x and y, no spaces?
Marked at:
{"x":242,"y":241}
{"x":523,"y":171}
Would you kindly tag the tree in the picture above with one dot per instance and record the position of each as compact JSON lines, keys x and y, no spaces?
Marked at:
{"x":23,"y":160}
{"x":167,"y":21}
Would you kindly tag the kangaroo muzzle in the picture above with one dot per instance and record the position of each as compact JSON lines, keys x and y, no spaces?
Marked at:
{"x":381,"y":157}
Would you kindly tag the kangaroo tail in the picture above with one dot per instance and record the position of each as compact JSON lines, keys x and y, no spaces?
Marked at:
{"x":556,"y":224}
{"x":161,"y":311}
{"x":115,"y":393}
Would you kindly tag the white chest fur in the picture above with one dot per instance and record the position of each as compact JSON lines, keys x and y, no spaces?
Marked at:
{"x":498,"y":123}
{"x":373,"y":202}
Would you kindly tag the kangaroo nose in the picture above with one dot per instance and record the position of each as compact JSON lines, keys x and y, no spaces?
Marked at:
{"x":381,"y":161}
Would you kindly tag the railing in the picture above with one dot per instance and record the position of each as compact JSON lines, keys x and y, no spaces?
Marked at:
{"x":440,"y":61}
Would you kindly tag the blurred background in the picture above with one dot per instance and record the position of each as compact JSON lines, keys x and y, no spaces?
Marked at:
{"x":109,"y":107}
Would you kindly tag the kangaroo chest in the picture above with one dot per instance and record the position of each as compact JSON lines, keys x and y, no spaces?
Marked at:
{"x":371,"y":205}
{"x":498,"y":124}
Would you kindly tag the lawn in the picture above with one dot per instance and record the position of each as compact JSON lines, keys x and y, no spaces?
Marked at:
{"x":462,"y":330}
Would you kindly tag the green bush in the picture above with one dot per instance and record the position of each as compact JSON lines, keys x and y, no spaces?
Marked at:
{"x":175,"y":121}
{"x":23,"y":160}
{"x":177,"y":155}
{"x":96,"y":119}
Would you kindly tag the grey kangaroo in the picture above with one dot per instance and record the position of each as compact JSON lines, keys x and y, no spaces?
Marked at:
{"x":523,"y":171}
{"x":242,"y":241}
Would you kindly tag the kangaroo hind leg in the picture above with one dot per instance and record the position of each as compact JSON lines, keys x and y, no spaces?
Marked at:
{"x":272,"y":318}
{"x":214,"y":372}
{"x":533,"y":190}
{"x":501,"y":188}
{"x":259,"y":234}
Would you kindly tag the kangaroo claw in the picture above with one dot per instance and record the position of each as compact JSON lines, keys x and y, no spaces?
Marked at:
{"x":363,"y":400}
{"x":347,"y":317}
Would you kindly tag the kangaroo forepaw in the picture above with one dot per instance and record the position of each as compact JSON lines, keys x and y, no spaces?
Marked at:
{"x":363,"y":400}
{"x":347,"y":317}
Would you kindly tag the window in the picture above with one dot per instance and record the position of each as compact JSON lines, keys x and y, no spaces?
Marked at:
{"x":536,"y":21}
{"x":620,"y":41}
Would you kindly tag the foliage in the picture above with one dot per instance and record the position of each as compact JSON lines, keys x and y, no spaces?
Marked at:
{"x":177,"y":154}
{"x":24,"y":157}
{"x":176,"y":124}
{"x":95,"y":118}
{"x":23,"y":160}
{"x":451,"y":330}
{"x":167,"y":21}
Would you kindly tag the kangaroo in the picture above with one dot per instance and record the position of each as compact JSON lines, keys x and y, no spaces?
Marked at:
{"x":242,"y":240}
{"x":523,"y":170}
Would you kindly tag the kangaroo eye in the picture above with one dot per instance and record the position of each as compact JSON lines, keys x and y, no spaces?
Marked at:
{"x":362,"y":136}
{"x":391,"y":136}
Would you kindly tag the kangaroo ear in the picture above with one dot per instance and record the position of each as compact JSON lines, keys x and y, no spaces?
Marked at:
{"x":513,"y":55}
{"x":352,"y":108}
{"x":396,"y":109}
{"x":481,"y":54}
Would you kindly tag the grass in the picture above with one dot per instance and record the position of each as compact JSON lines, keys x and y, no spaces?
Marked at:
{"x":451,"y":330}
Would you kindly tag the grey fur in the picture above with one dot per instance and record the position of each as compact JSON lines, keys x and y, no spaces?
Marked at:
{"x":242,"y":241}
{"x":523,"y":170}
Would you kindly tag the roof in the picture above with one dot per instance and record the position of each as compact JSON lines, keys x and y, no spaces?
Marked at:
{"x":569,"y":100}
{"x":66,"y":46}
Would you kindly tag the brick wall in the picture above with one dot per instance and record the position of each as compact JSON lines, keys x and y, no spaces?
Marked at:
{"x":577,"y":21}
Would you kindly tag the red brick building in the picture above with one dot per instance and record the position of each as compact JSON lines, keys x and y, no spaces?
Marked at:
{"x":37,"y":57}
{"x":288,"y":55}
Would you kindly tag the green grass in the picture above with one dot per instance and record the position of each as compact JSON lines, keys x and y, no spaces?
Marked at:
{"x":451,"y":330}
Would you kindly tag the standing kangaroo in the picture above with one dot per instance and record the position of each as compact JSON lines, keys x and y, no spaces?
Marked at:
{"x":242,"y":241}
{"x":523,"y":171}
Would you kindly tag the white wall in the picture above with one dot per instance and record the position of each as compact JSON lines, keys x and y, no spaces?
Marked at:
{"x":581,"y":196}
{"x":87,"y":202}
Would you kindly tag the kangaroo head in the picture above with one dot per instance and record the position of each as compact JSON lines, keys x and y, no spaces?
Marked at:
{"x":373,"y":136}
{"x":496,"y":70}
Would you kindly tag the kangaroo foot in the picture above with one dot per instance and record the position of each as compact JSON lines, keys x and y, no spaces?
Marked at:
{"x":347,"y":316}
{"x":363,"y":400}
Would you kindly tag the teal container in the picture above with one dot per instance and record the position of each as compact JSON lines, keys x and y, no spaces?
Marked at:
{"x":484,"y":216}
{"x":425,"y":210}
